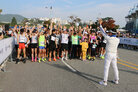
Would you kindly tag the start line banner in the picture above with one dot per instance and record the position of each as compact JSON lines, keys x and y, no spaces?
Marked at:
{"x":129,"y":41}
{"x":6,"y":47}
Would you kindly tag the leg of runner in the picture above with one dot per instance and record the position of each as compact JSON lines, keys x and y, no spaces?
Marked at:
{"x":24,"y":52}
{"x":40,"y":51}
{"x":62,"y":55}
{"x":35,"y":54}
{"x":32,"y":54}
{"x":66,"y":52}
{"x":43,"y":55}
{"x":50,"y":56}
{"x":54,"y":54}
{"x":58,"y":53}
{"x":18,"y":55}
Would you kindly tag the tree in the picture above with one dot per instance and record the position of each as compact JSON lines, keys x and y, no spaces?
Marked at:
{"x":0,"y":11}
{"x":109,"y":23}
{"x":25,"y":20}
{"x":74,"y":20}
{"x":13,"y":22}
{"x":46,"y":23}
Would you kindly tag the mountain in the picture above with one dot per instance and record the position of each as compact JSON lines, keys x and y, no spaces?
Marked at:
{"x":6,"y":18}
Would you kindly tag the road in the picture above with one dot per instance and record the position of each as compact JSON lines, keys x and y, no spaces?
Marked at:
{"x":57,"y":77}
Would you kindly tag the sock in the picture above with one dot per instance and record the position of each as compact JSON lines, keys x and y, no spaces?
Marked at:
{"x":32,"y":58}
{"x":35,"y":58}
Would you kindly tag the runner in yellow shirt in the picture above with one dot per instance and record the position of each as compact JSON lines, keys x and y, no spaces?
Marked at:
{"x":84,"y":48}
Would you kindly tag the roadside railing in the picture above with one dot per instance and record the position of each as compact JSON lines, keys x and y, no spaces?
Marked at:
{"x":6,"y":49}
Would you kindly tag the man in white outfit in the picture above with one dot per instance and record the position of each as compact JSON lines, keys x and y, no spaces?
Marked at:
{"x":111,"y":55}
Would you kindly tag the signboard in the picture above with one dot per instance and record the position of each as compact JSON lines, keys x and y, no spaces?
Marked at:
{"x":129,"y":41}
{"x":6,"y":47}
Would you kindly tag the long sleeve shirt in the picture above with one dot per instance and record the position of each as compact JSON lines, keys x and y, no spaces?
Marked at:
{"x":112,"y":42}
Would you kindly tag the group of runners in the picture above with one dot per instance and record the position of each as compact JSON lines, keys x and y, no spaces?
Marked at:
{"x":54,"y":41}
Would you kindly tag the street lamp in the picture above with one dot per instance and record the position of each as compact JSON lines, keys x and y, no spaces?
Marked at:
{"x":50,"y":8}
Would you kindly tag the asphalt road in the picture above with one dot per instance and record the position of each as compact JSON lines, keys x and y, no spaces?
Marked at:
{"x":58,"y":77}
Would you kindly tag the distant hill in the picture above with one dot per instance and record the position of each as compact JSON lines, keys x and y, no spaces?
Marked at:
{"x":6,"y":18}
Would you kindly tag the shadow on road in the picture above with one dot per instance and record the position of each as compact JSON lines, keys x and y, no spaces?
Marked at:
{"x":128,"y":71}
{"x":81,"y":74}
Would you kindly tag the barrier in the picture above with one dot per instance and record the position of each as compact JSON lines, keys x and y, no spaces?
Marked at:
{"x":6,"y":48}
{"x":129,"y":41}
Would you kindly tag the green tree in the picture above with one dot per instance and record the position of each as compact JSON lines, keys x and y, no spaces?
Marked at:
{"x":24,"y":21}
{"x":13,"y":22}
{"x":0,"y":11}
{"x":74,"y":20}
{"x":46,"y":23}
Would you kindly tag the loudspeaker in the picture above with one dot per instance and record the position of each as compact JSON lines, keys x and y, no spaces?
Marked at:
{"x":7,"y":27}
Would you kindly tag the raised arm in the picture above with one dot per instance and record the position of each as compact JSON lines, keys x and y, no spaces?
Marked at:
{"x":51,"y":25}
{"x":102,"y":30}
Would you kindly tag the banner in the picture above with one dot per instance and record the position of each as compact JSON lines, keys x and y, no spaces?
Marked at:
{"x":129,"y":41}
{"x":6,"y":47}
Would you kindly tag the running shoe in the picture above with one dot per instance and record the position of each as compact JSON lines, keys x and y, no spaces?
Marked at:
{"x":89,"y":57}
{"x":32,"y":59}
{"x":102,"y":57}
{"x":66,"y":58}
{"x":103,"y":83}
{"x":49,"y":60}
{"x":24,"y":60}
{"x":115,"y":82}
{"x":54,"y":59}
{"x":57,"y":57}
{"x":35,"y":59}
{"x":43,"y":59}
{"x":17,"y":61}
{"x":39,"y":61}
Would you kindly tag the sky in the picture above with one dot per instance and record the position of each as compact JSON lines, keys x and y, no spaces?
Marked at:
{"x":84,"y":9}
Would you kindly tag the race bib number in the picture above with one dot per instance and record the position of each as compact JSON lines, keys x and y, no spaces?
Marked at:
{"x":57,"y":39}
{"x":75,"y":39}
{"x":42,"y":43}
{"x":104,"y":41}
{"x":53,"y":38}
{"x":22,"y":40}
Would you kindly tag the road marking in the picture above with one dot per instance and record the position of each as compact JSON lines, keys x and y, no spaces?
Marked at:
{"x":127,"y":65}
{"x":74,"y":70}
{"x":127,"y":62}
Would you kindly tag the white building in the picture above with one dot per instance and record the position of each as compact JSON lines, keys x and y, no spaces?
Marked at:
{"x":132,"y":20}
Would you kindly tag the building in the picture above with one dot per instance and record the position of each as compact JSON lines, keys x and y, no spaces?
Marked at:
{"x":132,"y":20}
{"x":55,"y":20}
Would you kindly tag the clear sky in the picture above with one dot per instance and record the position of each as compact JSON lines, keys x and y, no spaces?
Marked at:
{"x":85,"y":9}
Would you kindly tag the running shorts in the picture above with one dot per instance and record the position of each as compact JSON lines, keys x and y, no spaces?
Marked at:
{"x":64,"y":46}
{"x":41,"y":47}
{"x":34,"y":45}
{"x":21,"y":45}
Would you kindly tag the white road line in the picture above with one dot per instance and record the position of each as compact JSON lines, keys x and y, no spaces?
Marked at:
{"x":74,"y":70}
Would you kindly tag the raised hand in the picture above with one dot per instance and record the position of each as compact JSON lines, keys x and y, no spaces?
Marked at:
{"x":100,"y":21}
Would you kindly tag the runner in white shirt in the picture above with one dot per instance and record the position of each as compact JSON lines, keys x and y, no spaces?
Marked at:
{"x":64,"y":44}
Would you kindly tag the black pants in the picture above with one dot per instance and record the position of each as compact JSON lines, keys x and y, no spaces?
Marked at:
{"x":93,"y":52}
{"x":74,"y":51}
